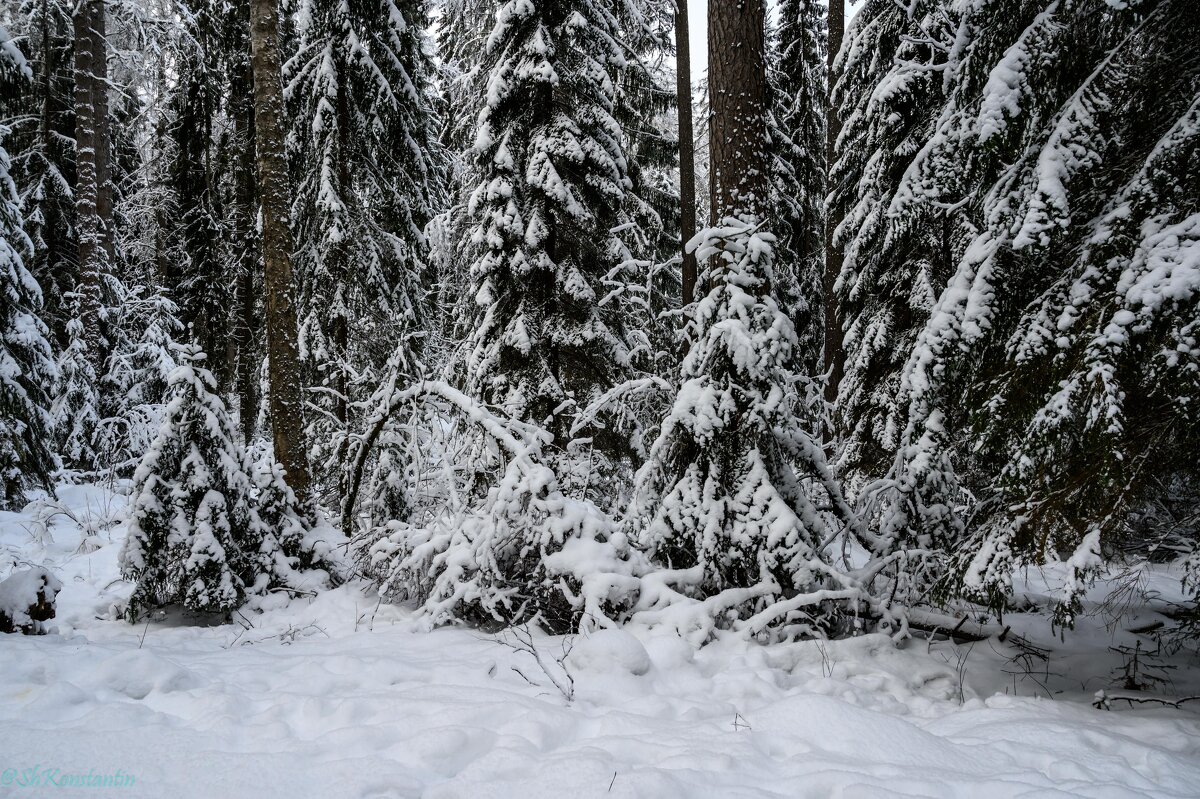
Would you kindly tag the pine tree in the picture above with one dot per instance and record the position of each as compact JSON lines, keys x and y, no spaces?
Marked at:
{"x":27,"y":368}
{"x":93,"y":176}
{"x":283,"y":358}
{"x":834,"y":355}
{"x":195,"y":534}
{"x":687,"y":154}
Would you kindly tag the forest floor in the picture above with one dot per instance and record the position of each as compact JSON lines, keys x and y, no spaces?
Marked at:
{"x":341,"y":696}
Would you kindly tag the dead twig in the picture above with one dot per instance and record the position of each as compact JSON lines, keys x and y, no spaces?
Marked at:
{"x":1104,"y":700}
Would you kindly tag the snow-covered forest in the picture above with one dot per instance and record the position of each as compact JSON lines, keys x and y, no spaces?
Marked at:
{"x":464,"y":398}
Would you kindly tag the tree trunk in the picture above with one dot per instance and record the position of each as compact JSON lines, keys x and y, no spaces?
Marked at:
{"x":93,"y":197}
{"x":104,"y":184}
{"x":246,"y":367}
{"x":737,"y":75}
{"x":287,"y":418}
{"x":246,"y":364}
{"x":687,"y":148}
{"x":341,"y":325}
{"x":44,"y":78}
{"x":834,"y":355}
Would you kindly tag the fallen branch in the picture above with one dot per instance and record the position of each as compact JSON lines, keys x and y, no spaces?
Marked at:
{"x":1104,"y":700}
{"x":960,"y":631}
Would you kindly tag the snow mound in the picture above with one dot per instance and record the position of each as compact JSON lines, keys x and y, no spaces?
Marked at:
{"x":139,"y":673}
{"x":609,"y":651}
{"x":27,"y":600}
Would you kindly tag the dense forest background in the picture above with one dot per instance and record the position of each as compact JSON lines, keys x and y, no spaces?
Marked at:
{"x":485,"y":301}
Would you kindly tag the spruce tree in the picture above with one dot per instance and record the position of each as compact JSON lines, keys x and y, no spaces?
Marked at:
{"x":27,"y":368}
{"x":1092,"y":366}
{"x":369,"y":175}
{"x":893,"y":267}
{"x":195,"y":534}
{"x":651,"y":213}
{"x":75,"y":411}
{"x":201,"y":276}
{"x":41,"y":117}
{"x":145,"y":328}
{"x":551,"y":178}
{"x":1050,"y":165}
{"x":797,"y":133}
{"x":736,"y":490}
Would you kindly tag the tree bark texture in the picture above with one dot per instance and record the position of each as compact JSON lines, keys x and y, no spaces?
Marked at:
{"x":687,"y":149}
{"x":93,"y":185}
{"x":737,"y":74}
{"x":286,"y":401}
{"x":246,"y":324}
{"x":834,"y":360}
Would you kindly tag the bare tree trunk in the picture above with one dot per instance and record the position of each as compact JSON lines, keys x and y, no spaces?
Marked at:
{"x":687,"y":148}
{"x":287,"y":417}
{"x":737,"y":81}
{"x":341,"y":325}
{"x":44,"y":82}
{"x":246,"y":364}
{"x":834,"y":355}
{"x":104,"y":184}
{"x":93,"y":197}
{"x":246,"y":326}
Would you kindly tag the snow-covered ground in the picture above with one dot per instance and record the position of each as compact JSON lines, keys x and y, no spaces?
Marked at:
{"x":339,"y":696}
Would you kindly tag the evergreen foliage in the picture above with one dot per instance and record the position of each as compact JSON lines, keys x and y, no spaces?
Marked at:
{"x":40,"y":116}
{"x":736,"y":487}
{"x":797,"y":131}
{"x":1057,"y":154}
{"x":75,"y":410}
{"x":27,"y":368}
{"x":548,"y":274}
{"x":196,"y":535}
{"x":372,"y":176}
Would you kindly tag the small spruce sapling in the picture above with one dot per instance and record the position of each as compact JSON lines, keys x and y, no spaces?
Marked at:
{"x":196,"y":536}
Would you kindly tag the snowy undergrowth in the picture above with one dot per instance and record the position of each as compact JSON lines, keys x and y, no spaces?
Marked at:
{"x":343,"y":696}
